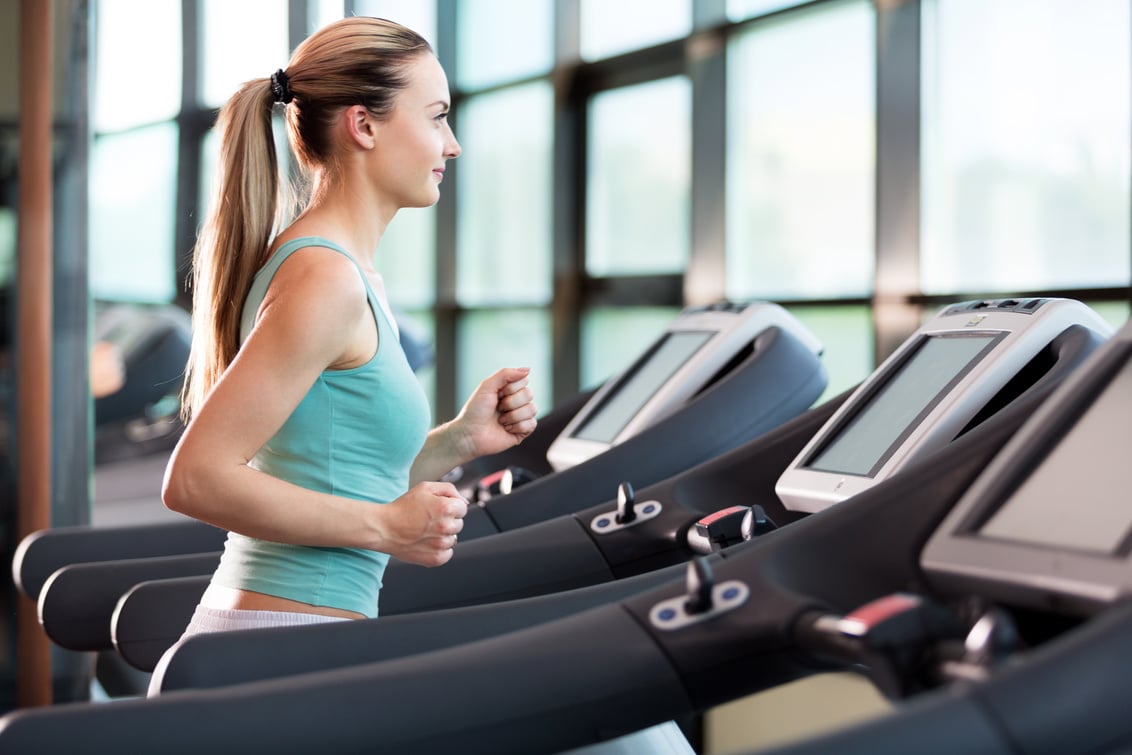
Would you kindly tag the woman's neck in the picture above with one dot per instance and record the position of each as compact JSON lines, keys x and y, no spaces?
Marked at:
{"x":343,"y":214}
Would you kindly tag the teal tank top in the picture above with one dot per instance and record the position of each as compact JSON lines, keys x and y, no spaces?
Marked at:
{"x":355,"y":434}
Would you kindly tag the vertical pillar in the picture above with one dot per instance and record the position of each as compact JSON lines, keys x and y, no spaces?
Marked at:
{"x":33,"y":338}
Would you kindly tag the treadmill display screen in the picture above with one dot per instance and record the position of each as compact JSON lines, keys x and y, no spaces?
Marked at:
{"x":866,"y":441}
{"x":1078,"y":497}
{"x":642,"y":382}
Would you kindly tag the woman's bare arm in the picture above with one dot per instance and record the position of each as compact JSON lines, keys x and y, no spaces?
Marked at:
{"x":315,"y":317}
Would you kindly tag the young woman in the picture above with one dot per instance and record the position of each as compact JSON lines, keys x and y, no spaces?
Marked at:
{"x":308,"y":436}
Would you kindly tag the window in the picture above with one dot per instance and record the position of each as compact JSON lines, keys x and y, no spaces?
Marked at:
{"x":801,"y":132}
{"x":487,"y":28}
{"x":639,"y":173}
{"x":609,"y":28}
{"x":133,"y":160}
{"x":418,"y":15}
{"x":7,"y":246}
{"x":1025,"y":146}
{"x":503,"y":231}
{"x":576,"y":179}
{"x":406,"y":258}
{"x":230,"y":54}
{"x":137,"y":63}
{"x":488,"y":340}
{"x":132,"y":195}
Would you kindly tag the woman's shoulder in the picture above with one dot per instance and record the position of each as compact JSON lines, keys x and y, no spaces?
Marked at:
{"x":312,"y":275}
{"x":315,"y":261}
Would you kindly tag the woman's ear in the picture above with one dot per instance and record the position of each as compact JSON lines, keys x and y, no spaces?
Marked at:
{"x":360,"y":126}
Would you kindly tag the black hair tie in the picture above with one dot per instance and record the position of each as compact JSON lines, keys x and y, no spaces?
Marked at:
{"x":280,"y":87}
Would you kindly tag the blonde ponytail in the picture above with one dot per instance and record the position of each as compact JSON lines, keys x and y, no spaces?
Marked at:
{"x":233,"y":244}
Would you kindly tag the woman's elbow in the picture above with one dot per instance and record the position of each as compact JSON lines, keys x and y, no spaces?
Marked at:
{"x":176,"y":488}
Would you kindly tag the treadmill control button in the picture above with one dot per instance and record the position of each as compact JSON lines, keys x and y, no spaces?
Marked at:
{"x":625,"y":500}
{"x":899,"y":619}
{"x":756,"y":522}
{"x":704,"y":600}
{"x":723,"y":527}
{"x":728,"y":526}
{"x":698,"y":582}
{"x":628,"y":513}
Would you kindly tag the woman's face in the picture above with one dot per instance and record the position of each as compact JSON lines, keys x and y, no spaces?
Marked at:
{"x":414,"y":141}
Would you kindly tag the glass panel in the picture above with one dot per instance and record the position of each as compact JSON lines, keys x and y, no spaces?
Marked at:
{"x":127,"y":93}
{"x":504,"y":212}
{"x":418,"y":15}
{"x":1025,"y":145}
{"x":230,"y":55}
{"x":847,"y":335}
{"x":133,"y":180}
{"x":801,"y":132}
{"x":7,"y":246}
{"x":639,"y":174}
{"x":614,"y":337}
{"x":406,"y":258}
{"x":503,"y":40}
{"x":738,"y":10}
{"x":488,"y":340}
{"x":610,"y":28}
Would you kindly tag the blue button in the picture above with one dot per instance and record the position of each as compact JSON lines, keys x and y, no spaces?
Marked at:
{"x":666,"y":614}
{"x":649,"y":508}
{"x":603,"y":522}
{"x":731,"y":593}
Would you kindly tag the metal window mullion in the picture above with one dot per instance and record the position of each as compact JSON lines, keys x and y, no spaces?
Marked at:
{"x":190,"y":135}
{"x":705,"y":279}
{"x":898,"y":114}
{"x":445,"y":306}
{"x":71,"y":299}
{"x":568,"y":181}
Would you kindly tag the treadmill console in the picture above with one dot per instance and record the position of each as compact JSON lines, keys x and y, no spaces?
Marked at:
{"x":1049,"y":523}
{"x":699,"y":345}
{"x":925,"y":394}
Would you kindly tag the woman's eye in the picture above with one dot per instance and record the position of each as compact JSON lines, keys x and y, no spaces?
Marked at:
{"x":442,"y":116}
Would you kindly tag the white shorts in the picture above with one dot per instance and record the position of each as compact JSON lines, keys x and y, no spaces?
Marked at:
{"x":207,"y":620}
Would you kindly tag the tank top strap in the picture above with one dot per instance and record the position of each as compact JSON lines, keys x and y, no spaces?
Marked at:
{"x":286,"y":249}
{"x":265,"y":274}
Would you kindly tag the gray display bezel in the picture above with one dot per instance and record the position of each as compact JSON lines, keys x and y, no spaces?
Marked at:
{"x":733,"y":328}
{"x":893,"y":372}
{"x":1027,"y":326}
{"x":959,"y":558}
{"x":620,"y":386}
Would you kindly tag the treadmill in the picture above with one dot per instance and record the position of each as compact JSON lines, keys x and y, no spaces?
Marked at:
{"x":695,"y":512}
{"x":704,"y":509}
